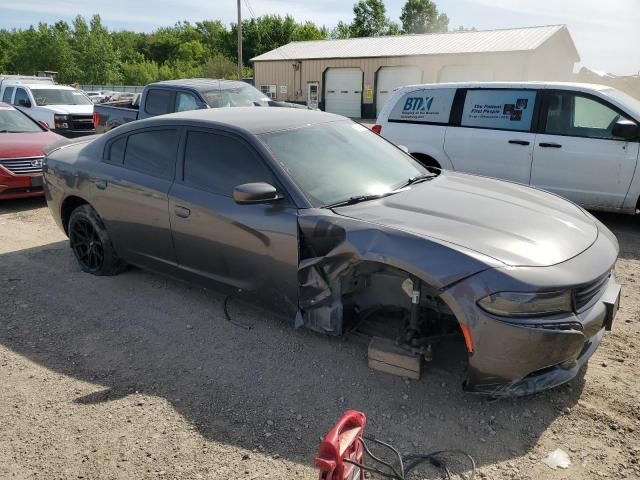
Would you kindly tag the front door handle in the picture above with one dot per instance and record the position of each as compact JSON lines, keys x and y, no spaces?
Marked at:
{"x":550,"y":145}
{"x":182,"y":212}
{"x":519,"y":142}
{"x":101,"y":184}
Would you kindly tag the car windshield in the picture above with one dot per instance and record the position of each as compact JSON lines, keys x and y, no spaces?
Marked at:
{"x":628,"y":101}
{"x":242,"y":96}
{"x":13,"y":121}
{"x":46,"y":96}
{"x":338,"y":161}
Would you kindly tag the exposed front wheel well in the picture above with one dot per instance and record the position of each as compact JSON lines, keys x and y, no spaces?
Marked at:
{"x":426,"y":160}
{"x":68,"y":206}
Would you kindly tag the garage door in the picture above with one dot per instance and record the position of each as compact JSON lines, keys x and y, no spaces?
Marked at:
{"x":393,"y":77}
{"x":343,"y":91}
{"x":465,"y":73}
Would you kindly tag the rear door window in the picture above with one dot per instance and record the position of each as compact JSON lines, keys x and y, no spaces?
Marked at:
{"x":159,"y":102}
{"x":499,"y":109}
{"x":6,"y":96}
{"x":152,"y":152}
{"x":218,"y":163}
{"x":424,"y":106}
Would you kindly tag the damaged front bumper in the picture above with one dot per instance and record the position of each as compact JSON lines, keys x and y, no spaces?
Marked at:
{"x":520,"y":360}
{"x":517,"y":357}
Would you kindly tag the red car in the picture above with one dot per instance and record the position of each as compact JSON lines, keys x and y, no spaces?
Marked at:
{"x":22,"y":143}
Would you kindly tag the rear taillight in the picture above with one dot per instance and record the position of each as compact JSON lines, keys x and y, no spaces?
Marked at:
{"x":375,"y":129}
{"x":96,"y":119}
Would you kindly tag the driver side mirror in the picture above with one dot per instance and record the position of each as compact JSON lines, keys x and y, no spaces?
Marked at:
{"x":24,"y":102}
{"x":259,"y":192}
{"x":626,"y":129}
{"x":43,"y":124}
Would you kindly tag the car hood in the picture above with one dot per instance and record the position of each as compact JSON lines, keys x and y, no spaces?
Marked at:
{"x":15,"y":145}
{"x":512,"y":223}
{"x":69,"y":109}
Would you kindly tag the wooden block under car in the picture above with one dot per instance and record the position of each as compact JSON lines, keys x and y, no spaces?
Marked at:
{"x":384,"y":355}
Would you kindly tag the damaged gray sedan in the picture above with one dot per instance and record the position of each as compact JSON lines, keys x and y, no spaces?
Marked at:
{"x":330,"y":225}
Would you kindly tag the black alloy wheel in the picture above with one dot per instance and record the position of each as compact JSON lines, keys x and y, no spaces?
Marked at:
{"x":91,"y":244}
{"x":87,"y":245}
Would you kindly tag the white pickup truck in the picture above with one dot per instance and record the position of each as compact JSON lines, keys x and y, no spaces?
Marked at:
{"x":65,"y":110}
{"x":576,"y":140}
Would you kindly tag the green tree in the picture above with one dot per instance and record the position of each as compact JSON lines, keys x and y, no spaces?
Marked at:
{"x":219,"y":66}
{"x":95,"y":55}
{"x":421,"y":16}
{"x":308,"y":31}
{"x":214,"y":34}
{"x":369,"y":19}
{"x":341,"y":30}
{"x":87,"y":52}
{"x":129,"y":45}
{"x":140,"y":73}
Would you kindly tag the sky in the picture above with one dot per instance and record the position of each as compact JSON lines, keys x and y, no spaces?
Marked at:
{"x":606,"y":33}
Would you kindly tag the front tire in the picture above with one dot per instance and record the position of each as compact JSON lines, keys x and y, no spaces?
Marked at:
{"x":91,"y":244}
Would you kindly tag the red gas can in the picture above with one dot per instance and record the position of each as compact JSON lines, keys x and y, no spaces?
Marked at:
{"x":343,"y":441}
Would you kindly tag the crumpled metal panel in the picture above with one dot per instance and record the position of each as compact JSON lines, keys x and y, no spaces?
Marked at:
{"x":336,"y":245}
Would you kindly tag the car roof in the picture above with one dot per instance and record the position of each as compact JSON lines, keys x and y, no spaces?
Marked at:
{"x":6,"y":106}
{"x":532,"y":85}
{"x":202,"y":84}
{"x":256,"y":120}
{"x":36,"y":86}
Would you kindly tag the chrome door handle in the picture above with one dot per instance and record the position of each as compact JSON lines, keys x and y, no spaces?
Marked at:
{"x":182,"y":212}
{"x":101,"y":184}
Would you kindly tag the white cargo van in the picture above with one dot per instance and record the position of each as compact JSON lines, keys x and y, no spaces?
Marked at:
{"x":65,"y":110}
{"x":577,"y":140}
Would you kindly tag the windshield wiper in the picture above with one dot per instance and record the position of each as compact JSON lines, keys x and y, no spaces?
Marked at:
{"x":416,"y":179}
{"x":356,"y":199}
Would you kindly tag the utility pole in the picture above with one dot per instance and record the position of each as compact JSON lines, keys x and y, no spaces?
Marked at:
{"x":239,"y":42}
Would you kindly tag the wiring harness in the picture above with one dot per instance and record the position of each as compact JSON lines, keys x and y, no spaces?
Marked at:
{"x":405,"y":464}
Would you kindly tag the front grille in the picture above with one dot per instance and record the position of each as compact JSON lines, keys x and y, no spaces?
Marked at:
{"x":21,"y":166}
{"x":583,"y":295}
{"x":81,"y":122}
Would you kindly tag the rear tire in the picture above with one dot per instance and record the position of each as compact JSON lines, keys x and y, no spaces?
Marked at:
{"x":91,"y":244}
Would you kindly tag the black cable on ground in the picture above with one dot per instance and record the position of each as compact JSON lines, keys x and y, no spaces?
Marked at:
{"x":397,"y":453}
{"x":379,"y":460}
{"x":228,"y":317}
{"x":434,"y":458}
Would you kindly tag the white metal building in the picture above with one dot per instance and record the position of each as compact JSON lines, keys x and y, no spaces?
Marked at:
{"x":353,"y":77}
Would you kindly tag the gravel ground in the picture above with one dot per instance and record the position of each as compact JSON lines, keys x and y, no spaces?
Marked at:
{"x":139,"y":376}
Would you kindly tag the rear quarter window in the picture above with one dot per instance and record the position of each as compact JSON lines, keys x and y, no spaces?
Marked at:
{"x":115,"y":151}
{"x":499,"y":109}
{"x":424,"y":106}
